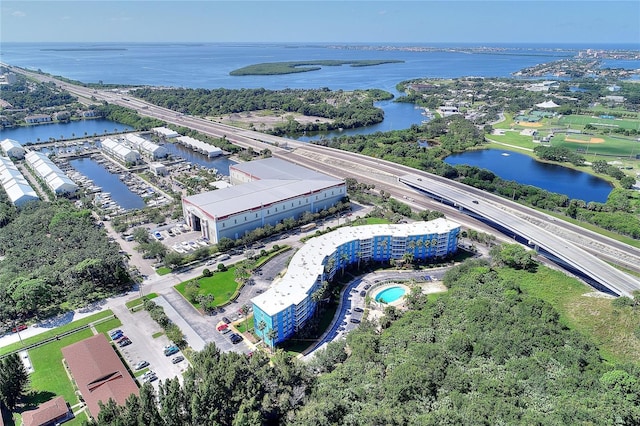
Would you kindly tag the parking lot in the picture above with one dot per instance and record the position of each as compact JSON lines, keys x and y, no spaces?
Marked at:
{"x":140,"y":329}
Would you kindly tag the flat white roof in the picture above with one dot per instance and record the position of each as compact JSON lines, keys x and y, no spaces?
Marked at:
{"x":227,"y":201}
{"x":275,"y":168}
{"x":307,"y":263}
{"x":166,"y":132}
{"x":8,"y":144}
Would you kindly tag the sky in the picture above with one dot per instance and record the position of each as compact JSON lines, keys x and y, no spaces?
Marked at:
{"x":350,"y":21}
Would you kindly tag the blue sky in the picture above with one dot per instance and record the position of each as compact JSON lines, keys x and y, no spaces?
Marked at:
{"x":471,"y":21}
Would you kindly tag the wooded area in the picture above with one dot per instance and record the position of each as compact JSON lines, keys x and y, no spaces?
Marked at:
{"x":55,"y":257}
{"x":346,"y":109}
{"x":485,"y":352}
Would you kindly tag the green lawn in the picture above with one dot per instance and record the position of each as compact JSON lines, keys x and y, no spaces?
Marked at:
{"x":49,"y":377}
{"x":135,"y":302}
{"x":245,"y":326}
{"x":163,"y":270}
{"x":55,"y":331}
{"x":612,"y":145}
{"x":583,"y":120}
{"x":612,"y":329}
{"x":104,"y":327}
{"x":375,"y":221}
{"x":221,"y":284}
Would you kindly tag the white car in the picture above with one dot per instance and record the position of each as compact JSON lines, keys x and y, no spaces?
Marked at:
{"x":140,"y":365}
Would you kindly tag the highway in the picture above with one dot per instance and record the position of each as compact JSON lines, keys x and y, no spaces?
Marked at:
{"x":586,"y":251}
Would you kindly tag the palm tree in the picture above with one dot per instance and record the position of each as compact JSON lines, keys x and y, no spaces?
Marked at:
{"x":261,"y":326}
{"x":359,"y":256}
{"x":244,"y":310}
{"x":343,"y":261}
{"x":271,"y":335}
{"x":383,"y":244}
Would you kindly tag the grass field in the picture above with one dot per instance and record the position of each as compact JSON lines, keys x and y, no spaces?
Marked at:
{"x":612,"y":329}
{"x":53,"y":332}
{"x":221,"y":284}
{"x":600,"y":123}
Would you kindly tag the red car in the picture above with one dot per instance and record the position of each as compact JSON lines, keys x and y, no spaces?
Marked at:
{"x":19,"y":328}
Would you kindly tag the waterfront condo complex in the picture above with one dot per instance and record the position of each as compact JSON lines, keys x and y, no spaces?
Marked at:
{"x":289,"y":303}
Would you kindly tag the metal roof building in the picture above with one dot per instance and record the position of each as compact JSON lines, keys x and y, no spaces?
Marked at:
{"x":120,"y":151}
{"x":146,"y":146}
{"x":12,"y":148}
{"x":271,"y":168}
{"x":55,"y":178}
{"x":98,"y":372}
{"x":166,"y":132}
{"x":15,"y":185}
{"x":199,"y":146}
{"x":268,"y":198}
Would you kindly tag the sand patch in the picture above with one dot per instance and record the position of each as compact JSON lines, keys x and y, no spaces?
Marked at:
{"x":527,"y":124}
{"x":591,"y":140}
{"x":266,"y":121}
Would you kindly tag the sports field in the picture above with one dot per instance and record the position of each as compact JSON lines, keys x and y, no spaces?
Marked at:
{"x":599,"y":123}
{"x":598,"y":144}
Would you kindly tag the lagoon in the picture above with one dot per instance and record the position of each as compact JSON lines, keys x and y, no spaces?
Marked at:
{"x":74,"y":129}
{"x":526,"y":170}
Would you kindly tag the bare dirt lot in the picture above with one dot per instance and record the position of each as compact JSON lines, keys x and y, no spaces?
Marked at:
{"x":265,"y":120}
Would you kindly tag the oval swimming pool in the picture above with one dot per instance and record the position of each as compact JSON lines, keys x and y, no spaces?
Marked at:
{"x":390,"y":294}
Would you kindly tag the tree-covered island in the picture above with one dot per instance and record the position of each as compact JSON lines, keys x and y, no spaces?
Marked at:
{"x":278,"y":68}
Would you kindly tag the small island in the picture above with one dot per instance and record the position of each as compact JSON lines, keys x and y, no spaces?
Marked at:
{"x":277,"y":68}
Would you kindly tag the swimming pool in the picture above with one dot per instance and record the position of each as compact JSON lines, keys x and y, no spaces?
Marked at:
{"x":390,"y":294}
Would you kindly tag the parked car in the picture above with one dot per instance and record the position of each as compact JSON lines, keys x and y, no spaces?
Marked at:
{"x":117,"y":335}
{"x":114,"y":332}
{"x":226,"y":330}
{"x":121,"y":338}
{"x":124,"y":342}
{"x":19,"y":328}
{"x":226,"y":320}
{"x":223,"y":327}
{"x":235,"y":338}
{"x":140,"y":365}
{"x":355,"y":320}
{"x":363,"y":293}
{"x":367,"y":286}
{"x":358,"y":309}
{"x":177,"y":359}
{"x":171,"y":350}
{"x":150,"y":377}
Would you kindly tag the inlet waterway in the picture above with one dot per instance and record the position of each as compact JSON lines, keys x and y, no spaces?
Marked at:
{"x":74,"y":129}
{"x":109,"y":182}
{"x":526,"y":170}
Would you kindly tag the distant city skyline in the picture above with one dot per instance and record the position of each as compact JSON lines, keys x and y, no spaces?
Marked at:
{"x":355,"y":21}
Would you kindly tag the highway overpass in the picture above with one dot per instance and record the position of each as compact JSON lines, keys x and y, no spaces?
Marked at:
{"x":582,"y":261}
{"x":570,"y":243}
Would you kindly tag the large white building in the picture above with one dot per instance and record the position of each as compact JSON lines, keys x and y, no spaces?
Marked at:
{"x":12,"y":148}
{"x":166,"y":132}
{"x":288,"y":304}
{"x":120,"y":151}
{"x":199,"y":146}
{"x":278,"y":190}
{"x":56,"y":179}
{"x":14,"y":184}
{"x":145,"y":146}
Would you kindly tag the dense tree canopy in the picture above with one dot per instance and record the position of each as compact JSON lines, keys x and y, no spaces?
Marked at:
{"x":346,"y":109}
{"x":483,"y":353}
{"x":55,"y":254}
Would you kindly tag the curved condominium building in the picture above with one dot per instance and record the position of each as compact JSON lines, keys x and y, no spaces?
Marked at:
{"x":288,"y":304}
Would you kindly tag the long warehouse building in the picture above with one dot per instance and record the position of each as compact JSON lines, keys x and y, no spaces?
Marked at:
{"x":278,"y":190}
{"x":57,"y":181}
{"x":14,"y":184}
